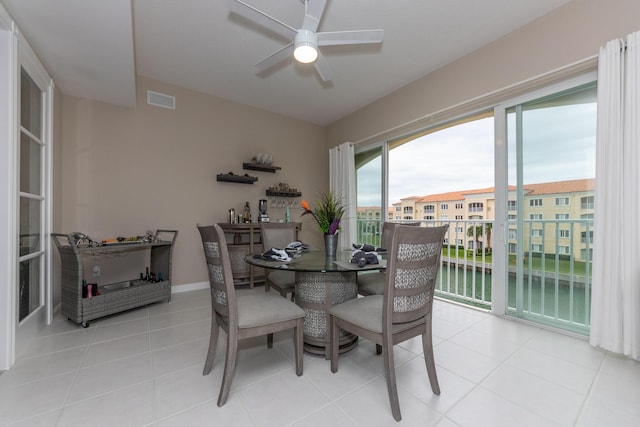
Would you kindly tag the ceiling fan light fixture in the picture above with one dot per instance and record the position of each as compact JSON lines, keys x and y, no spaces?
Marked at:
{"x":305,"y":47}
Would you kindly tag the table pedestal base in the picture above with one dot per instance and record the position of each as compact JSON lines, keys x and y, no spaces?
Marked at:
{"x":316,"y":293}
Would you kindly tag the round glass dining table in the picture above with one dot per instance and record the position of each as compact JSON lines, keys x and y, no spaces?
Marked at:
{"x":321,"y":283}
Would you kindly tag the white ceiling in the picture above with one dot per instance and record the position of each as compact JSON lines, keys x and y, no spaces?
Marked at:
{"x":95,"y":48}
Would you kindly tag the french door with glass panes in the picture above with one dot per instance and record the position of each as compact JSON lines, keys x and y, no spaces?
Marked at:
{"x":33,"y":182}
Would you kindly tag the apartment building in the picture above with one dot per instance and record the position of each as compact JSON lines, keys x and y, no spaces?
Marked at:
{"x":557,"y":216}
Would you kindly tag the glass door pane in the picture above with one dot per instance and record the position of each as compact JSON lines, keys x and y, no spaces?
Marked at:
{"x":369,"y":178}
{"x":551,"y":158}
{"x":31,"y":167}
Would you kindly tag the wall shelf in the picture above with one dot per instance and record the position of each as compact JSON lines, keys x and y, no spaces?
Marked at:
{"x":273,"y":193}
{"x":241,"y":179}
{"x":260,"y":167}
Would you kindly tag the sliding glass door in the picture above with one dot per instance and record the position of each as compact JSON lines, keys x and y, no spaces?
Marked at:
{"x":549,"y":206}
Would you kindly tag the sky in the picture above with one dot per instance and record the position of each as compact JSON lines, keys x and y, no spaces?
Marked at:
{"x":559,"y":144}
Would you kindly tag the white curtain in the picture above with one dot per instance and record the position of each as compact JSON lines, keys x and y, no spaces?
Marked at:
{"x":342,"y":183}
{"x":615,"y":305}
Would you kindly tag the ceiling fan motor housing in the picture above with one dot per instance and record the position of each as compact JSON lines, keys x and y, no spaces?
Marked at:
{"x":305,"y":46}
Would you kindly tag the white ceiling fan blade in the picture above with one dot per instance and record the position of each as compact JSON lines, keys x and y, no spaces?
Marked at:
{"x":323,"y":68}
{"x":275,"y":58}
{"x":334,"y":38}
{"x":269,"y":22}
{"x":313,"y":14}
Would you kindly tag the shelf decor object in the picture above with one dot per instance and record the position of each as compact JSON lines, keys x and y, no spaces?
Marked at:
{"x":241,"y":179}
{"x":283,"y":190}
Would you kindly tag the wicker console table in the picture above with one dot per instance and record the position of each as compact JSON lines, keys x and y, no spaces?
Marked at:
{"x":114,"y":297}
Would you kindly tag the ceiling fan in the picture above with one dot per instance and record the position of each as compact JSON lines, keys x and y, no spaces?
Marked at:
{"x":305,"y":40}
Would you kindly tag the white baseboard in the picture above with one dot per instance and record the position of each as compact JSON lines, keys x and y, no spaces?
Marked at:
{"x":189,"y":287}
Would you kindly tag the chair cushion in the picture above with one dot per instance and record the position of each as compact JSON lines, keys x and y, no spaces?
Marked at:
{"x":283,"y":279}
{"x":366,"y":312}
{"x":371,"y":283}
{"x":264,"y":308}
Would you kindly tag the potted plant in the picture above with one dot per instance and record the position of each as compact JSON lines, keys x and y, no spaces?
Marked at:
{"x":328,"y":214}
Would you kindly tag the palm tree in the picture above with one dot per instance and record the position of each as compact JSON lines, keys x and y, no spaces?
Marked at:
{"x":476,"y":231}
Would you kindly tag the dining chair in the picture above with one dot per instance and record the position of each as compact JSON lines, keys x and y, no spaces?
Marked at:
{"x":279,"y":235}
{"x":372,"y":283}
{"x":244,"y":313}
{"x":405,"y":309}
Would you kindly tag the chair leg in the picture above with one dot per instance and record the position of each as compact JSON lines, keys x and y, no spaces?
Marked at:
{"x":298,"y":332}
{"x":229,"y":368}
{"x":213,"y":343}
{"x":269,"y":340}
{"x":293,"y":296}
{"x":333,"y":343}
{"x":390,"y":373}
{"x":427,"y":347}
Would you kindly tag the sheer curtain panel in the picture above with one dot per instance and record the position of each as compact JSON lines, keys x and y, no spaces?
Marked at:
{"x":342,"y":182}
{"x":615,"y":307}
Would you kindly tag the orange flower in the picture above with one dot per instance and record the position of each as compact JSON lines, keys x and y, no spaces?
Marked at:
{"x":305,"y":205}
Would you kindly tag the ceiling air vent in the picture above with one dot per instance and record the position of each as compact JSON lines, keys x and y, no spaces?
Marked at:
{"x":161,"y":100}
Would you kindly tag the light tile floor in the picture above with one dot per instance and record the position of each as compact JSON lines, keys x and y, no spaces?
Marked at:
{"x":144,"y":368}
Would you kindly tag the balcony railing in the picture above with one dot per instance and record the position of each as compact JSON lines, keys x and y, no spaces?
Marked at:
{"x":555,"y":270}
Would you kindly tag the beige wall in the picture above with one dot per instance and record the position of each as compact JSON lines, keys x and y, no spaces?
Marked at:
{"x":568,"y":35}
{"x":125,"y":171}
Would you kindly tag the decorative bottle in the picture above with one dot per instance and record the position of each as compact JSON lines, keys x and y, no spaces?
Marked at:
{"x":246,"y":213}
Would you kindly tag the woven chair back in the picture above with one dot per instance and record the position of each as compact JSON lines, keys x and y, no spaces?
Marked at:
{"x":223,"y":295}
{"x":412,"y":268}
